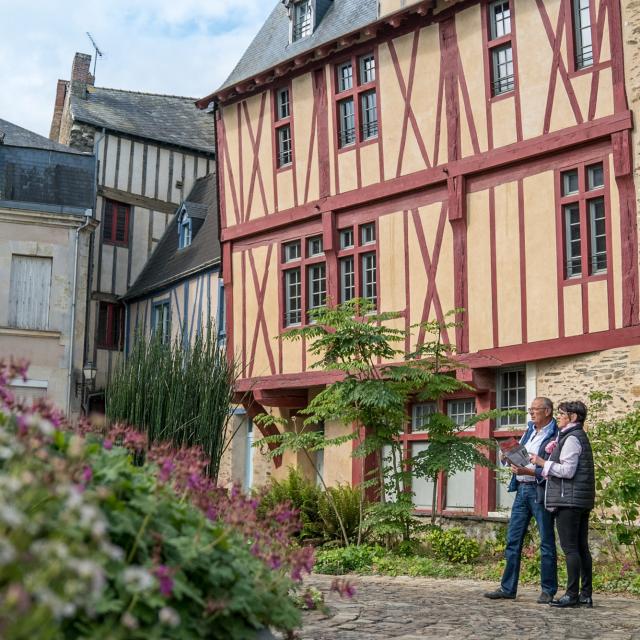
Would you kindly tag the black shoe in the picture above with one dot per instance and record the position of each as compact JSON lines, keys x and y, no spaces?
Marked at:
{"x":499,"y":594}
{"x":565,"y":601}
{"x":544,"y":598}
{"x":585,"y":601}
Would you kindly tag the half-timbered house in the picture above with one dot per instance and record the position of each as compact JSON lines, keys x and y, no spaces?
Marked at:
{"x":433,"y":155}
{"x":150,"y":150}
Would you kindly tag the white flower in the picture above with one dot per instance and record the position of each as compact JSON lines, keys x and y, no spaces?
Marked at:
{"x":138,"y":579}
{"x":98,"y":529}
{"x":10,"y":515}
{"x":112,"y":552}
{"x":7,"y":552}
{"x":9,"y":484}
{"x":45,"y":427}
{"x":128,"y":621}
{"x":6,"y":453}
{"x":169,"y":617}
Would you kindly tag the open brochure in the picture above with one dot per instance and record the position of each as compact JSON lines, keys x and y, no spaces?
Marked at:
{"x":514,"y":452}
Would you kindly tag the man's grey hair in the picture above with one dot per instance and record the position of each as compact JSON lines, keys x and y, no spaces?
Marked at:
{"x":548,"y":404}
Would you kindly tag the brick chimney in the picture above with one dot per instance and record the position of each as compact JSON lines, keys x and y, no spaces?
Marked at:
{"x":61,"y":94}
{"x":81,"y":75}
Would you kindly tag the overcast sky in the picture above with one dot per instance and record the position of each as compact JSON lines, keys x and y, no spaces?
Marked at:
{"x":177,"y":47}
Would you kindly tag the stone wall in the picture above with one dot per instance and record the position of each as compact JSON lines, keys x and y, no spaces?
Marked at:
{"x":616,"y":371}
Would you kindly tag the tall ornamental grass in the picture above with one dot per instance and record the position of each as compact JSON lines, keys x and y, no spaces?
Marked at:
{"x":176,"y":394}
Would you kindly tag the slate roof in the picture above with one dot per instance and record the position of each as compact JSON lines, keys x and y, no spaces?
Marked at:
{"x":271,"y":46}
{"x":168,"y":263}
{"x":170,"y":119}
{"x":15,"y":136}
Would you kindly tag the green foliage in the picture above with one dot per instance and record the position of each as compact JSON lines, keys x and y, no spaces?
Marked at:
{"x":95,"y":547}
{"x":351,"y":559}
{"x":302,"y":495}
{"x":345,"y":501}
{"x":393,"y":523}
{"x":617,"y":459}
{"x":453,"y":545}
{"x":176,"y":394}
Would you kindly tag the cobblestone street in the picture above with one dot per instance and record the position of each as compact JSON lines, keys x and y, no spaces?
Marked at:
{"x":416,"y":608}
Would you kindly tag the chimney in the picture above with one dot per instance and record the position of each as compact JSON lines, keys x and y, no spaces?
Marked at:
{"x":81,"y":75}
{"x":61,"y":94}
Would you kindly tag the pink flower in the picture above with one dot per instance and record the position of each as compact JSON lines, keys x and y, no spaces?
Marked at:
{"x":87,"y":475}
{"x":165,"y":581}
{"x":551,"y":446}
{"x":107,"y":444}
{"x":166,"y":470}
{"x":343,"y":587}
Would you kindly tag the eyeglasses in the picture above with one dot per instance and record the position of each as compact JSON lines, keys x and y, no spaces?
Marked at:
{"x":533,"y":409}
{"x":561,"y":413}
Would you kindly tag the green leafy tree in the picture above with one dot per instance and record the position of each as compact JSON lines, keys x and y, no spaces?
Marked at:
{"x":376,"y":381}
{"x":616,"y":455}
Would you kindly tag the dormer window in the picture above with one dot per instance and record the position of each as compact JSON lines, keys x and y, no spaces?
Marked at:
{"x":302,"y":23}
{"x":185,"y":231}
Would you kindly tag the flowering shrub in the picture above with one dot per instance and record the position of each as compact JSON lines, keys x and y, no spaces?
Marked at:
{"x":102,"y":537}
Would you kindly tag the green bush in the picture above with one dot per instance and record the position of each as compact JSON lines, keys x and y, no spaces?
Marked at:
{"x":302,"y":495}
{"x":95,"y":547}
{"x":453,"y":544}
{"x":346,"y":501}
{"x":351,"y":559}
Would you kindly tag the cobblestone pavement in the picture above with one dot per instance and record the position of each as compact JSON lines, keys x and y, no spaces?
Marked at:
{"x":420,"y":608}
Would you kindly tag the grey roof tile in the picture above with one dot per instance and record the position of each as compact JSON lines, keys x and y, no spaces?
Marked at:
{"x":15,"y":136}
{"x":271,"y":46}
{"x":169,"y":264}
{"x":170,"y":119}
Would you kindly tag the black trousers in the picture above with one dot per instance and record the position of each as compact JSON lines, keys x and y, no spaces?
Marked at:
{"x":573,"y":531}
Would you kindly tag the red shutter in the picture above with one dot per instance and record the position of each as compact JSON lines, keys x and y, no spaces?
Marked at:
{"x":108,"y":221}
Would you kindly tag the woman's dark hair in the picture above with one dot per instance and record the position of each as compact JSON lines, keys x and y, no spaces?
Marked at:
{"x":577,"y":407}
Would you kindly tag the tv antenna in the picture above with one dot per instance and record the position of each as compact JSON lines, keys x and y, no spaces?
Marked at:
{"x":98,"y":53}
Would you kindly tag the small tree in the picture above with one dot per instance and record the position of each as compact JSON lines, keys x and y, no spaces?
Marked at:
{"x":377,"y":380}
{"x":616,"y":455}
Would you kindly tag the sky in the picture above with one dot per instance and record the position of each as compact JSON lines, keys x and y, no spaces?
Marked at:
{"x":176,"y":47}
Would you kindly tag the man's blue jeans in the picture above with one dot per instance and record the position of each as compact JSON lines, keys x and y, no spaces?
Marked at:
{"x":524,"y":507}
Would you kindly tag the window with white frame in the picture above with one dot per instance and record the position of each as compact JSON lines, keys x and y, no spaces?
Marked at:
{"x":185,"y":232}
{"x":582,"y":33}
{"x":302,"y":20}
{"x":512,"y":395}
{"x":162,"y":321}
{"x":356,"y":100}
{"x":460,"y":493}
{"x":420,"y":413}
{"x":29,"y":292}
{"x":500,"y":47}
{"x":461,"y":411}
{"x":357,"y":263}
{"x":584,"y":220}
{"x":283,"y":127}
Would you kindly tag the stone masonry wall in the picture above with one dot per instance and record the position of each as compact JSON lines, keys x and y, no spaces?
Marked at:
{"x":616,"y":371}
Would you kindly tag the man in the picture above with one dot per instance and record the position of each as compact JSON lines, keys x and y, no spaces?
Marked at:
{"x":529,"y":485}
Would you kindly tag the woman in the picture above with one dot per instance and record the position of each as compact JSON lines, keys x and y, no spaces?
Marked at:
{"x":570,"y":493}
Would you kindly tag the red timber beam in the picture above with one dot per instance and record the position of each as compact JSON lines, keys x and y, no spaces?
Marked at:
{"x":253,"y":409}
{"x":513,"y":154}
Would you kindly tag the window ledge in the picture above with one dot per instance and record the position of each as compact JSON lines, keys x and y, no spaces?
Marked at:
{"x":29,"y":333}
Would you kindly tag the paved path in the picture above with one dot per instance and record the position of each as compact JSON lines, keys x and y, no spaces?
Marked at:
{"x":421,"y":608}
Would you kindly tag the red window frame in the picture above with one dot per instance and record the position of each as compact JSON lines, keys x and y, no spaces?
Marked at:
{"x":113,"y":212}
{"x":302,"y":263}
{"x":582,"y":198}
{"x":570,"y":33}
{"x":357,"y":251}
{"x":355,"y":92}
{"x":278,"y":123}
{"x":110,"y":326}
{"x":495,"y":43}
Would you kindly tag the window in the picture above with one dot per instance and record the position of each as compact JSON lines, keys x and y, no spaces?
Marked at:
{"x":584,"y":221}
{"x":301,"y":20}
{"x":116,"y":223}
{"x":291,"y":252}
{"x":185,"y":232}
{"x":500,"y":47}
{"x":512,"y":394}
{"x":460,"y":411}
{"x":317,"y":282}
{"x":110,"y":326}
{"x":293,"y":297}
{"x":357,"y":265}
{"x":285,"y":155}
{"x":161,"y":324}
{"x":29,"y":292}
{"x":356,"y":96}
{"x":420,"y":414}
{"x":582,"y":37}
{"x":283,"y":127}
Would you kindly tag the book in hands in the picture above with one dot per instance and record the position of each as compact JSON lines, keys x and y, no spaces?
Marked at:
{"x":515,"y":453}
